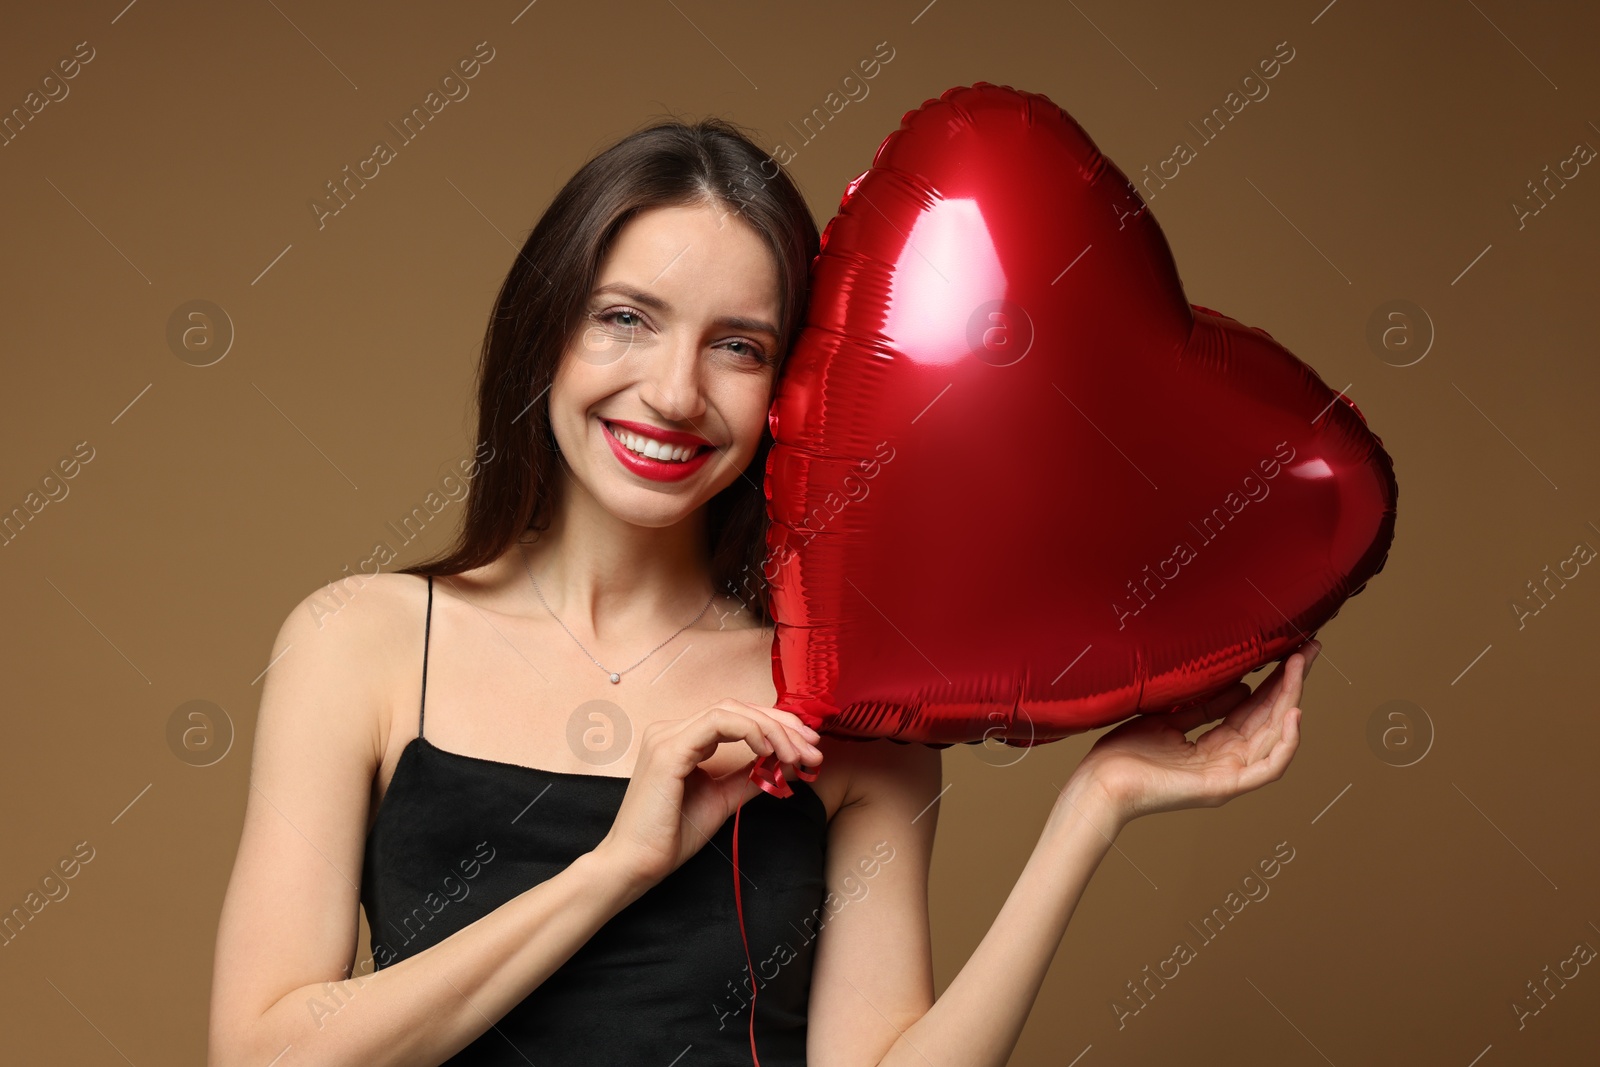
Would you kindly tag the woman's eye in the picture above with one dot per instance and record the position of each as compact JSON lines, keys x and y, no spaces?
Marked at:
{"x":627,"y":319}
{"x":747,"y":349}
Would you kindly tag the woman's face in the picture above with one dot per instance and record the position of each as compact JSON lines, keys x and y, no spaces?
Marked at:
{"x":673,"y":358}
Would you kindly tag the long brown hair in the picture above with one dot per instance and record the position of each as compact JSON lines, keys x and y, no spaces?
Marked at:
{"x":541,"y":305}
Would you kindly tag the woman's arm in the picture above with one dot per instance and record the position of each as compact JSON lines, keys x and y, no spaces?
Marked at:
{"x":425,"y":1008}
{"x":978,"y":1019}
{"x":287,"y":936}
{"x":872,"y":992}
{"x":1144,"y":765}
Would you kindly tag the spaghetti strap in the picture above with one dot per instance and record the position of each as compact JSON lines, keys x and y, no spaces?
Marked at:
{"x":426,"y":632}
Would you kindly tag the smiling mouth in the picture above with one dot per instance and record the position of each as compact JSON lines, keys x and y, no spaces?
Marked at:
{"x":650,"y":448}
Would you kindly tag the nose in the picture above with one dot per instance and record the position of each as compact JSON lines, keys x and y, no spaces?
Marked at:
{"x":671,"y":384}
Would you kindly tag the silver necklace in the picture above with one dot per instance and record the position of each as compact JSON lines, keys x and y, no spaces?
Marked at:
{"x":615,"y":676}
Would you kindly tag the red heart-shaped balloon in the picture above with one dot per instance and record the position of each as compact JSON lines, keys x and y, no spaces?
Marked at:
{"x":1020,"y":487}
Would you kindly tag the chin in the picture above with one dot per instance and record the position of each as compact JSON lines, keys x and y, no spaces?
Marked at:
{"x":643,"y":506}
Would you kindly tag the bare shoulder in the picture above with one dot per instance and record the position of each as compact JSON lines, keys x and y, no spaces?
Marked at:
{"x":359,"y":634}
{"x":882,"y":772}
{"x":290,"y":915}
{"x":362,"y":607}
{"x":873,"y":973}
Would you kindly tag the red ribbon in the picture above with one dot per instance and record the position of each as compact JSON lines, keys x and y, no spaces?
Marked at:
{"x":767,"y":773}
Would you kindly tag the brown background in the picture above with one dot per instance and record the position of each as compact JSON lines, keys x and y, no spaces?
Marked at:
{"x":1382,"y":166}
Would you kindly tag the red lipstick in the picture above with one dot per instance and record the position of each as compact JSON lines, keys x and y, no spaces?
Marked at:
{"x":668,"y":437}
{"x":656,"y":469}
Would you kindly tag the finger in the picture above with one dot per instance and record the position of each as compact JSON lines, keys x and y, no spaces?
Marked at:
{"x":1287,"y":697}
{"x":718,"y":725}
{"x":787,"y":718}
{"x":1267,"y":695}
{"x":794,"y":728}
{"x":782,"y":740}
{"x":1308,"y":652}
{"x":1293,"y":681}
{"x":1311,"y":650}
{"x":1247,"y":718}
{"x":1260,"y":707}
{"x":1271,"y":768}
{"x":791,"y":719}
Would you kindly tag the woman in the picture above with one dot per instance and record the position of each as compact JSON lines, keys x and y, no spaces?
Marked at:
{"x":541,"y":833}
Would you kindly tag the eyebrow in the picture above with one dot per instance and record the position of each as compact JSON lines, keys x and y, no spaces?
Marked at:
{"x":655,"y":303}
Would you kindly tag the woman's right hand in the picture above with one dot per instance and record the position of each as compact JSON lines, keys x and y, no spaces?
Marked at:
{"x":673,"y":806}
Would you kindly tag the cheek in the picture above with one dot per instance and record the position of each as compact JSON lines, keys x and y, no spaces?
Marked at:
{"x":753,"y":402}
{"x":559,"y":400}
{"x":751,"y":421}
{"x":576,"y":387}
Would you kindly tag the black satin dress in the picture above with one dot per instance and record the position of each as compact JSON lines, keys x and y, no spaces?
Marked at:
{"x":665,"y":981}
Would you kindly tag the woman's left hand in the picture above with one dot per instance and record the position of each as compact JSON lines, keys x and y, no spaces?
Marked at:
{"x":1147,"y":764}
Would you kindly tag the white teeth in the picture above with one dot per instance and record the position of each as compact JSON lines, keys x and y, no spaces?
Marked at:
{"x":648,"y":446}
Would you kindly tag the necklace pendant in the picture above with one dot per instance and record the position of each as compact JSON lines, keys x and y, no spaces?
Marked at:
{"x":615,"y":678}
